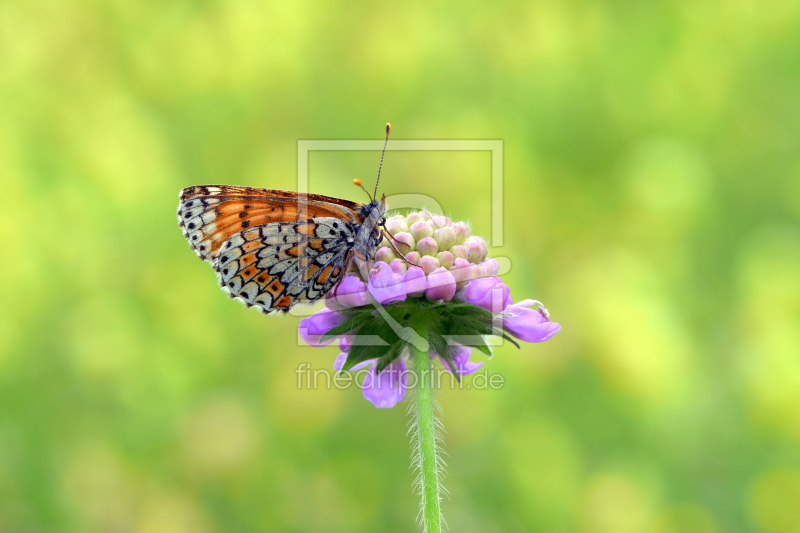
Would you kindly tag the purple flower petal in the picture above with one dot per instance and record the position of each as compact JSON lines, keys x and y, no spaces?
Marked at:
{"x":350,"y":292}
{"x":345,"y":343}
{"x":529,"y":325}
{"x":387,"y":388}
{"x":490,"y":293}
{"x":385,"y":285}
{"x":339,"y":363}
{"x":461,"y":362}
{"x":490,"y":267}
{"x":463,"y":270}
{"x":441,"y":285}
{"x":415,"y":281}
{"x":313,"y":327}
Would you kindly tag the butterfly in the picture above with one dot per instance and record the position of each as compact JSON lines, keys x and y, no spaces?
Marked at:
{"x":272,"y":249}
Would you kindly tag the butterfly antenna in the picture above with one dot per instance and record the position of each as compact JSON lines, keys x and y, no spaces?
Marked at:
{"x":380,"y":166}
{"x":358,"y":183}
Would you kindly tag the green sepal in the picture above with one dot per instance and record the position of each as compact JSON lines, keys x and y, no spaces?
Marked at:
{"x":359,"y":353}
{"x":353,"y":322}
{"x":501,"y":333}
{"x":441,"y":319}
{"x":387,"y":359}
{"x":481,"y":345}
{"x":440,"y":347}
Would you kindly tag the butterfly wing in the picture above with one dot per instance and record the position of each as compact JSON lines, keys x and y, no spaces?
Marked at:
{"x":276,"y":265}
{"x":211,"y":214}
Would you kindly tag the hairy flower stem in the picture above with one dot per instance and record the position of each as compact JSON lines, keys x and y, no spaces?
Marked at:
{"x":423,"y":430}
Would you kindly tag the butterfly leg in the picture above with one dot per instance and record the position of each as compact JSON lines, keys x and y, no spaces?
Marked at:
{"x":398,"y":252}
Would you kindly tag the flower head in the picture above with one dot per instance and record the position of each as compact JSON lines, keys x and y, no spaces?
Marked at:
{"x":450,"y":286}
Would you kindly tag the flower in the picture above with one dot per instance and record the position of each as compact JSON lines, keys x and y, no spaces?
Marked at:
{"x":441,"y":263}
{"x":490,"y":293}
{"x":350,"y":292}
{"x":529,"y":325}
{"x":387,"y":388}
{"x":384,"y":284}
{"x":461,"y":362}
{"x":415,"y":282}
{"x":441,"y":285}
{"x":313,"y":327}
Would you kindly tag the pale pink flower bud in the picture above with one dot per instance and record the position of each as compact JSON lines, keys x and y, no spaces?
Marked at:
{"x":459,"y":250}
{"x":445,"y":259}
{"x":474,"y":252}
{"x":483,"y":247}
{"x":413,"y":218}
{"x":428,"y":263}
{"x":396,"y":224}
{"x":420,"y":230}
{"x":445,"y":237}
{"x":440,"y":221}
{"x":413,"y":257}
{"x":398,"y":266}
{"x":404,"y":242}
{"x":384,"y":254}
{"x":462,"y":232}
{"x":427,"y":246}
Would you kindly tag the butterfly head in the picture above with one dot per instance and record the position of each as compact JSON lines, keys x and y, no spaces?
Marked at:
{"x":373,"y":213}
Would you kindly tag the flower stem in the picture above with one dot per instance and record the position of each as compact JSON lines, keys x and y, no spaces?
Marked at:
{"x":423,"y":427}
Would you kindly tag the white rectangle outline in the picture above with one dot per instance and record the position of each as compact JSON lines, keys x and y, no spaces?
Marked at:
{"x":454,"y":145}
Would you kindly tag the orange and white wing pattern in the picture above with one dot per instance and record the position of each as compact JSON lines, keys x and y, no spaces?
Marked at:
{"x":271,"y":249}
{"x":211,"y":214}
{"x":274,"y":266}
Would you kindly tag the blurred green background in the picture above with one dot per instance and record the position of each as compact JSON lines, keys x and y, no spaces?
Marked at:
{"x":652,"y":172}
